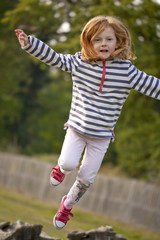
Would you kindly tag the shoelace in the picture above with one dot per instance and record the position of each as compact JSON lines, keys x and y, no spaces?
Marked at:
{"x":63,"y":215}
{"x":59,"y":174}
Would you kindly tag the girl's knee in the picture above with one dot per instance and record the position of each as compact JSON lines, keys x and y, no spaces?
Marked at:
{"x":68,"y":166}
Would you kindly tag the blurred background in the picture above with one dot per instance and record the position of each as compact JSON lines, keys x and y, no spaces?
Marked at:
{"x":35,"y":99}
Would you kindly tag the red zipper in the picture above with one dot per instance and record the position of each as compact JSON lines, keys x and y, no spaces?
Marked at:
{"x":103,"y":75}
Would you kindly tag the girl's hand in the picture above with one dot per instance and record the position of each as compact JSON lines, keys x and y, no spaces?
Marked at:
{"x":22,"y":37}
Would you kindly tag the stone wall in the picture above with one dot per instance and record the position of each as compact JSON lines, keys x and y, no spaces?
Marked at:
{"x":126,"y":200}
{"x":24,"y":231}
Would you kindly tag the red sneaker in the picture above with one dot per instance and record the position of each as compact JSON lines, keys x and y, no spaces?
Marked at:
{"x":56,"y":176}
{"x":62,"y":216}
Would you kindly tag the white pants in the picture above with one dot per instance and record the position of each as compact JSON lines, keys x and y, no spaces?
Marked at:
{"x":72,"y":149}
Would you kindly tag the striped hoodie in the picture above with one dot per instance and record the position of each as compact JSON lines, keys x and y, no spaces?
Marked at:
{"x":100,"y":88}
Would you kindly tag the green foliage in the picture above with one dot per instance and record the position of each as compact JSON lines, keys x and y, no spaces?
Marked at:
{"x":138,"y":143}
{"x":54,"y":103}
{"x":34,"y":103}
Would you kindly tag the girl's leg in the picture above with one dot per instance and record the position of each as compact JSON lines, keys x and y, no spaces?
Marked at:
{"x":94,"y":153}
{"x":69,"y":158}
{"x":92,"y":159}
{"x":71,"y":152}
{"x":72,"y":149}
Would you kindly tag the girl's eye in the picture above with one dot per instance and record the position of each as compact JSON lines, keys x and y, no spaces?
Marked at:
{"x":97,"y":40}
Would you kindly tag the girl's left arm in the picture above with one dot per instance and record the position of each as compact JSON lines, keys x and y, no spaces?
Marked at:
{"x":146,"y":84}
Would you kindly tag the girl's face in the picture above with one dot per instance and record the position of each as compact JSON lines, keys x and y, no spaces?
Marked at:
{"x":105,"y":43}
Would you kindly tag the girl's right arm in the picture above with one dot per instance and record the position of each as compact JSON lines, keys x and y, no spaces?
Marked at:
{"x":44,"y":53}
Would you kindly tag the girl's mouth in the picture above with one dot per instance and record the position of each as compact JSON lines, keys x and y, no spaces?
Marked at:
{"x":103,"y":51}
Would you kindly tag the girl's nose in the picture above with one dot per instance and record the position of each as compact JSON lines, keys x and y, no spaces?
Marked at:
{"x":104,"y":42}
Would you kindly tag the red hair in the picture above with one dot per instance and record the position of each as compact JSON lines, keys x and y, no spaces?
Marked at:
{"x":95,"y":26}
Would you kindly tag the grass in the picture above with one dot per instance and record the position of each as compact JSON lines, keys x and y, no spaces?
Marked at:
{"x":14,"y":206}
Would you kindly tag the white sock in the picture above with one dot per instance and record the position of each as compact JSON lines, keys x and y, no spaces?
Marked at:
{"x":68,"y":204}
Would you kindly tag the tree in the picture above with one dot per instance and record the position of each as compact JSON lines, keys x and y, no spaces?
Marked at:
{"x":20,"y":79}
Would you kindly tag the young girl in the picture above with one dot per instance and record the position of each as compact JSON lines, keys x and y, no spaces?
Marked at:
{"x":102,"y":80}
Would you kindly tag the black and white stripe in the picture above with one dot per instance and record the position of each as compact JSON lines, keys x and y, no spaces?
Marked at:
{"x":95,"y":113}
